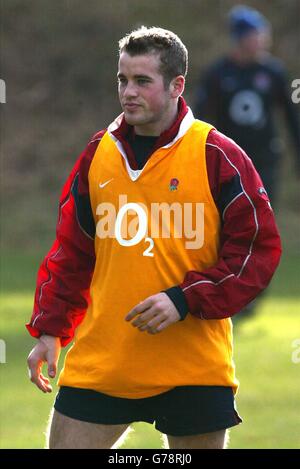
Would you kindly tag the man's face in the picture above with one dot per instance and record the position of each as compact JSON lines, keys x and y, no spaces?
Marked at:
{"x":142,"y":93}
{"x":255,"y":42}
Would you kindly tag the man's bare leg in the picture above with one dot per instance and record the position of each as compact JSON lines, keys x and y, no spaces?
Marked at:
{"x":68,"y":433}
{"x":213,"y":440}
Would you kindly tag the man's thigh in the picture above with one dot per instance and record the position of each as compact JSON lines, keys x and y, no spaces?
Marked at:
{"x":213,"y":440}
{"x":68,"y":433}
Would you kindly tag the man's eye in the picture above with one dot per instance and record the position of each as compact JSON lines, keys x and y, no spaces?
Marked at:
{"x":142,"y":81}
{"x":121,"y":80}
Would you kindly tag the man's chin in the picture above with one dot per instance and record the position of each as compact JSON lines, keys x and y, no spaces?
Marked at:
{"x":133,"y":120}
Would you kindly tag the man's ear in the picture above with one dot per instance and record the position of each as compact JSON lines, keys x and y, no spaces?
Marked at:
{"x":177,"y":86}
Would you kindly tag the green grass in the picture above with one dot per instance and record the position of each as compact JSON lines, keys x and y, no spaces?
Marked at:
{"x":268,"y":398}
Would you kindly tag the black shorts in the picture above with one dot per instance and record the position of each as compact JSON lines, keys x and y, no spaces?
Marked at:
{"x":184,"y":410}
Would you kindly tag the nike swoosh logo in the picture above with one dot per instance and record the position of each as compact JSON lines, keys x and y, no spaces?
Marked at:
{"x":101,"y":185}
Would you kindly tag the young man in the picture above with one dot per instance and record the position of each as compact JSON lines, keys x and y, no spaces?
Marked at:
{"x":164,"y":232}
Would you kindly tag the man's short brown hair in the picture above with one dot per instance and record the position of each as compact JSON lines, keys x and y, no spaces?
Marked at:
{"x":172,"y":52}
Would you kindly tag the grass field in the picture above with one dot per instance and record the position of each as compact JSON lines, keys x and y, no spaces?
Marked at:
{"x":268,"y":399}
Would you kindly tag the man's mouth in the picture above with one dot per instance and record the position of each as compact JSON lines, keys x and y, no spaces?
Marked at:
{"x":131,"y":106}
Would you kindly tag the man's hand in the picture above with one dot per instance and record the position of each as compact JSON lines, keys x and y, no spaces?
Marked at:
{"x":154,"y":314}
{"x":47,"y":350}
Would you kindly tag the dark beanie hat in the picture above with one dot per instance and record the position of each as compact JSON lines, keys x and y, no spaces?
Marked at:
{"x":243,"y":20}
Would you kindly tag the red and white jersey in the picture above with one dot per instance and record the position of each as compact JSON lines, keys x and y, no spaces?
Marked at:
{"x":248,"y":252}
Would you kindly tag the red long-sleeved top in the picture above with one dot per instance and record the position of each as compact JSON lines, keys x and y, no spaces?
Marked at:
{"x":249,"y":253}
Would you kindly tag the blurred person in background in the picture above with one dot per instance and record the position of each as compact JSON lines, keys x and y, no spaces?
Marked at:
{"x":240,"y":94}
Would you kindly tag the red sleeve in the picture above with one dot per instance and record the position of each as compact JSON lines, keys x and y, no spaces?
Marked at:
{"x":250,"y":245}
{"x":63,"y":279}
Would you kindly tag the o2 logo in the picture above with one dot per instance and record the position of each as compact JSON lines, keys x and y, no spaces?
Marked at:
{"x":142,"y":228}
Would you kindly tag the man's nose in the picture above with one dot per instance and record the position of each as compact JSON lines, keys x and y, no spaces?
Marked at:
{"x":130,"y":90}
